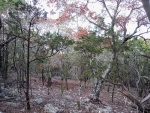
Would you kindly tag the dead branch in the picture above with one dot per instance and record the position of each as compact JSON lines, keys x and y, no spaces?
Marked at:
{"x":146,"y":98}
{"x":139,"y":104}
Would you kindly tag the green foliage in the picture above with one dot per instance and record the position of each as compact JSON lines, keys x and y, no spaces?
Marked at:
{"x":54,"y":41}
{"x":89,"y":44}
{"x":139,"y":44}
{"x":10,"y":3}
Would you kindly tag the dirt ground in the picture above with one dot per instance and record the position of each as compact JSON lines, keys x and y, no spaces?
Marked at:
{"x":68,"y":100}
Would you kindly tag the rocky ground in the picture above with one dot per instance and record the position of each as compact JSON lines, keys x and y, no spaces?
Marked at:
{"x":74,"y":100}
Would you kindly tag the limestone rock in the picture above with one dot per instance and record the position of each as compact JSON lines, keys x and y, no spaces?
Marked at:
{"x":49,"y":108}
{"x":108,"y":109}
{"x":13,"y":104}
{"x":37,"y":101}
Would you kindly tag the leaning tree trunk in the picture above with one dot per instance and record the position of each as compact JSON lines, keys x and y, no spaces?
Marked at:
{"x":98,"y":84}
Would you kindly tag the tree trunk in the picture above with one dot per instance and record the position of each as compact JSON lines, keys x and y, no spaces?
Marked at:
{"x":98,"y":84}
{"x":0,"y":88}
{"x":6,"y":63}
{"x":28,"y":101}
{"x":43,"y":77}
{"x":49,"y":83}
{"x":28,"y":72}
{"x":146,"y":5}
{"x":113,"y":92}
{"x":97,"y":89}
{"x":0,"y":67}
{"x":66,"y":83}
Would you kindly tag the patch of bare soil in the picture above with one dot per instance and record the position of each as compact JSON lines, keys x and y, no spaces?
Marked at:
{"x":74,"y":100}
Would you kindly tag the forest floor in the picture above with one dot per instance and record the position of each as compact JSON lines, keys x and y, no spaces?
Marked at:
{"x":74,"y":100}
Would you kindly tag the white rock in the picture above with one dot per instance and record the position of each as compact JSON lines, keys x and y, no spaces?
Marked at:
{"x":108,"y":109}
{"x":37,"y":101}
{"x":49,"y":108}
{"x":68,"y":97}
{"x":13,"y":104}
{"x":22,"y":110}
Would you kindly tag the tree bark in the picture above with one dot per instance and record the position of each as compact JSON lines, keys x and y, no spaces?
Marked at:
{"x":97,"y":89}
{"x":98,"y":84}
{"x":49,"y":83}
{"x":146,"y":5}
{"x":43,"y":77}
{"x":27,"y":79}
{"x":28,"y":71}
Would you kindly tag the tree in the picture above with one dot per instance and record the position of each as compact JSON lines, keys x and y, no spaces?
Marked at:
{"x":91,"y":67}
{"x":5,"y":5}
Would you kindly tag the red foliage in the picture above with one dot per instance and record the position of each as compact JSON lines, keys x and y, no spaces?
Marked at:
{"x":63,"y":17}
{"x":93,"y":15}
{"x":121,"y":22}
{"x":83,"y":9}
{"x":81,"y":32}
